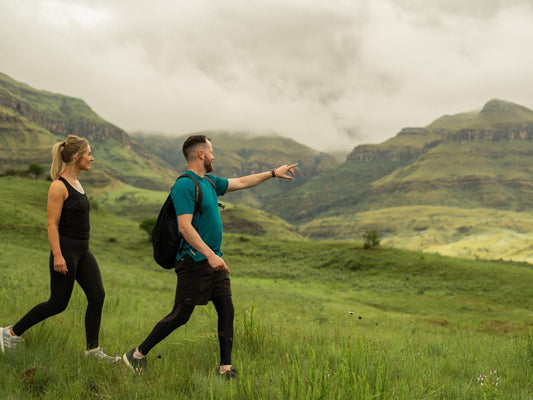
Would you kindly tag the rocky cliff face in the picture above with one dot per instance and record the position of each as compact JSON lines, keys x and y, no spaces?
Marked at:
{"x":371,"y":153}
{"x":69,"y":116}
{"x":504,"y":133}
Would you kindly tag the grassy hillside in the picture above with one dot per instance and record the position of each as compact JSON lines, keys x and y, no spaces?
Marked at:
{"x":32,"y":120}
{"x":475,"y":233}
{"x":468,"y":164}
{"x":240,"y":154}
{"x":501,"y":113}
{"x":241,"y":219}
{"x":139,"y":204}
{"x":469,"y":160}
{"x":313,"y":320}
{"x":344,"y":188}
{"x":22,"y":142}
{"x":43,"y":104}
{"x":462,"y":174}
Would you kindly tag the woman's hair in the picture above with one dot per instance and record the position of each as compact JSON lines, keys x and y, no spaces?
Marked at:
{"x":63,"y":154}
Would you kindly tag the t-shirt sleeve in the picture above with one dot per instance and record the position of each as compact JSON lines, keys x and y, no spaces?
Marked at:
{"x":221,"y":185}
{"x":183,"y":193}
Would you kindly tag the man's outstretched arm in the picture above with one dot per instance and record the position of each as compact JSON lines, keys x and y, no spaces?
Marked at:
{"x":249,"y":181}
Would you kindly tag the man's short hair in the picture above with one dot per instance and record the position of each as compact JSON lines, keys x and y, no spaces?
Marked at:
{"x":191,"y":142}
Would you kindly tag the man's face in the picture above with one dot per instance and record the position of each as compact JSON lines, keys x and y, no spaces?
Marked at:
{"x":208,"y":157}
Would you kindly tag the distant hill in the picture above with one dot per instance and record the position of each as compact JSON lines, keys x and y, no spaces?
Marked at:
{"x":240,"y":154}
{"x":462,"y":186}
{"x":470,"y":160}
{"x":32,"y":120}
{"x":131,"y":177}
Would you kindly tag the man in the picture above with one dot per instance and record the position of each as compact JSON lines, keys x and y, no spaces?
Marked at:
{"x":203,"y":275}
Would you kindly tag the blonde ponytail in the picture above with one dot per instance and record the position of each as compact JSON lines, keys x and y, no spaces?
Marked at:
{"x":63,"y":154}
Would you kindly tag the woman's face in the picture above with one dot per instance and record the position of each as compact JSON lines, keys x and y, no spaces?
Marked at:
{"x":86,"y":159}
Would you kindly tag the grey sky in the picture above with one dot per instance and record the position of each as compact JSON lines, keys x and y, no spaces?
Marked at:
{"x":328,"y":73}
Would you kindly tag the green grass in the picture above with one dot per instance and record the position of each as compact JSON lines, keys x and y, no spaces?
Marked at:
{"x":477,"y":233}
{"x":313,"y":320}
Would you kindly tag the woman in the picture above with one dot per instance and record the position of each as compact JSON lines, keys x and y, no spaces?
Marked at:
{"x":70,"y":257}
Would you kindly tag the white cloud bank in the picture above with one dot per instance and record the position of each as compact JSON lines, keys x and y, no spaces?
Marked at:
{"x":328,"y":73}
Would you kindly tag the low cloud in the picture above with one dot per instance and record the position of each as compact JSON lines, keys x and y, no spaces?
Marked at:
{"x":329,"y":74}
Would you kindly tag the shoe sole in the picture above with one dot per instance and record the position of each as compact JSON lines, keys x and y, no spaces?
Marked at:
{"x":126,"y":361}
{"x":138,"y":371}
{"x":2,"y":341}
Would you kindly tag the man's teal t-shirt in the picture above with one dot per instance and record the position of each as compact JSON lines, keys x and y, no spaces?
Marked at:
{"x":208,"y":223}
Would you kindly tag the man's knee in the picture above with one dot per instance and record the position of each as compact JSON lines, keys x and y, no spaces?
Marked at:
{"x":180,"y":314}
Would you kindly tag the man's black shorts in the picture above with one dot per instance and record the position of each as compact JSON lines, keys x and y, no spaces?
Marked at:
{"x":198,"y":282}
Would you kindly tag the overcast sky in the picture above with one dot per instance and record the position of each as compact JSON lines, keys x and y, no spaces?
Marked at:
{"x":328,"y":73}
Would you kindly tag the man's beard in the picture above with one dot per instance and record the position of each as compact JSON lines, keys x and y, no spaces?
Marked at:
{"x":208,"y":166}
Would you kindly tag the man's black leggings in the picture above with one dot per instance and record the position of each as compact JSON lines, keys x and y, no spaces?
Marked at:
{"x":180,"y":315}
{"x":83,"y":268}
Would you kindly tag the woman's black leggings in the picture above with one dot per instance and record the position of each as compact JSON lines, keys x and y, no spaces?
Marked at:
{"x":180,"y":315}
{"x":83,"y":268}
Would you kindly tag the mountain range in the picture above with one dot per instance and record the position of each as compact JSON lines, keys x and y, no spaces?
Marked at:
{"x":406,"y":187}
{"x":469,"y":160}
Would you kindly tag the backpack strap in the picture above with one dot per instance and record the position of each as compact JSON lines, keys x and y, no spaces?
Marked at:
{"x":211,"y":181}
{"x":198,"y":194}
{"x":214,"y":187}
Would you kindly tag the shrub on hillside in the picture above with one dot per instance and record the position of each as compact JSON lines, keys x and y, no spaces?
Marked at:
{"x":147,"y":225}
{"x":36,"y":169}
{"x":371,"y":239}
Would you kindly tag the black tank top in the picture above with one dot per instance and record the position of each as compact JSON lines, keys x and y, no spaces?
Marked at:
{"x":74,"y":221}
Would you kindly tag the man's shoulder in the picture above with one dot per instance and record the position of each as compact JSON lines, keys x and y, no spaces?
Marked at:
{"x":184,"y":182}
{"x":212,"y":178}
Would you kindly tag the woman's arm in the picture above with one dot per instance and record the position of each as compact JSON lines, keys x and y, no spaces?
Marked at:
{"x":57,"y":195}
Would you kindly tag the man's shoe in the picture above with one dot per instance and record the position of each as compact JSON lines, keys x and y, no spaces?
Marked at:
{"x":136,"y":364}
{"x":8,"y":342}
{"x":229,"y":374}
{"x":99,"y":353}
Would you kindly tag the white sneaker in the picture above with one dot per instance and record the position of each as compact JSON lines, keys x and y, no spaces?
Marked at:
{"x":99,"y":353}
{"x":8,"y":342}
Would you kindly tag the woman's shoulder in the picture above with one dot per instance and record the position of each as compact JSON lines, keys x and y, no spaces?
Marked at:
{"x":58,"y":187}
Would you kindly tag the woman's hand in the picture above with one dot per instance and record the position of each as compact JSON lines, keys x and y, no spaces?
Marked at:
{"x":60,"y":265}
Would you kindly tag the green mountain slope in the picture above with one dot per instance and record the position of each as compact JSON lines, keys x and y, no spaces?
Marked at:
{"x":346,"y":186}
{"x":481,"y":159}
{"x":22,"y":141}
{"x":489,"y":166}
{"x":128,"y":178}
{"x":239,"y":154}
{"x":463,"y":185}
{"x":32,"y":120}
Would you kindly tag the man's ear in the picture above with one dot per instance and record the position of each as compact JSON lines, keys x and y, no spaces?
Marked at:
{"x":201,"y":154}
